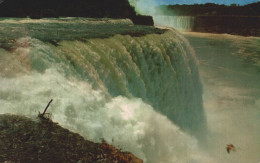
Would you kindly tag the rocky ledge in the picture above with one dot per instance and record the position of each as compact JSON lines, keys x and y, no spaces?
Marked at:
{"x":41,"y":140}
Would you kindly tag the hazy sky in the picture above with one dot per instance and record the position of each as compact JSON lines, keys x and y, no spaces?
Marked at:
{"x":227,"y":2}
{"x":144,"y":6}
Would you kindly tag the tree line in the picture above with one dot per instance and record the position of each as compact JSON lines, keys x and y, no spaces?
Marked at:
{"x":211,"y":9}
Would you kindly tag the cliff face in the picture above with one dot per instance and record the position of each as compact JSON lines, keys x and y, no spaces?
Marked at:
{"x":24,"y":140}
{"x":72,"y":8}
{"x":213,"y":18}
{"x":238,"y":25}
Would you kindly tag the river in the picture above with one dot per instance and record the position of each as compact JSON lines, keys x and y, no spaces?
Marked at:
{"x":229,"y":70}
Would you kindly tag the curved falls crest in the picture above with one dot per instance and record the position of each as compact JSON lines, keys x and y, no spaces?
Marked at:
{"x":131,"y":91}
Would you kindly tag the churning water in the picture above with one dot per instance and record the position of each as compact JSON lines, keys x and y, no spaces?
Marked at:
{"x":230,"y":72}
{"x":108,"y":80}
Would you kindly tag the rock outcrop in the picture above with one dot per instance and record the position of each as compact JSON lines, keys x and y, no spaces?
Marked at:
{"x":41,"y":140}
{"x":237,"y":25}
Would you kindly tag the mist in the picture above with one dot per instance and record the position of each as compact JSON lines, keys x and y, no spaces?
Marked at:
{"x":229,"y":69}
{"x":144,"y":7}
{"x":126,"y":90}
{"x":230,"y":72}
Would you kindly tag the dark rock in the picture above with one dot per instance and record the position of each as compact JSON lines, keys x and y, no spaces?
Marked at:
{"x":237,"y":25}
{"x":24,"y":140}
{"x":143,"y":20}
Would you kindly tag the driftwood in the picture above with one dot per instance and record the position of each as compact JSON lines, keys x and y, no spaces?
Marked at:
{"x":45,"y":115}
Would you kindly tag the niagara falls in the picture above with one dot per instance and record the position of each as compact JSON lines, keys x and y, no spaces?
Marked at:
{"x":138,"y":81}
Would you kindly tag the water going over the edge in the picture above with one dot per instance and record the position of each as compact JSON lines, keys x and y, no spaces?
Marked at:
{"x":108,"y":80}
{"x":181,"y":23}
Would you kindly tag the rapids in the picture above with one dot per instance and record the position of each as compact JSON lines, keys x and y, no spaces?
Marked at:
{"x":141,"y":93}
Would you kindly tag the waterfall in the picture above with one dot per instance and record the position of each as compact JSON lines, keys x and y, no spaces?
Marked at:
{"x":182,"y":23}
{"x":135,"y":92}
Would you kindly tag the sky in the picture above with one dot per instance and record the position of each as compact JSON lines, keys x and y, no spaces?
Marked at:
{"x":226,"y":2}
{"x":145,"y":6}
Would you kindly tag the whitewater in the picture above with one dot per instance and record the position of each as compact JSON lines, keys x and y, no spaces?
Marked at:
{"x":229,"y":70}
{"x":137,"y":87}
